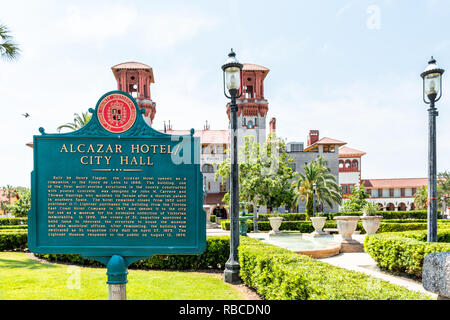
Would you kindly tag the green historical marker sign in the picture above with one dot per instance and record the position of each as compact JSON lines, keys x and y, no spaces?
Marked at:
{"x":116,"y":187}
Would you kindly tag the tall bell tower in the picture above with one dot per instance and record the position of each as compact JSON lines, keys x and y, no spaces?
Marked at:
{"x":135,"y":78}
{"x":252,"y":106}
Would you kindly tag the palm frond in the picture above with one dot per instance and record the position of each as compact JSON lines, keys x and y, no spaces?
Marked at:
{"x":8,"y":49}
{"x":79,"y":121}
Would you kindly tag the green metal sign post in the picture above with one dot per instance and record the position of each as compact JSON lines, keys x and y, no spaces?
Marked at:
{"x":116,"y":191}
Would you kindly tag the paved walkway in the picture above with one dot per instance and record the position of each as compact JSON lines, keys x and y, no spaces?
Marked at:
{"x":363,"y":262}
{"x":217,"y":232}
{"x":359,"y":261}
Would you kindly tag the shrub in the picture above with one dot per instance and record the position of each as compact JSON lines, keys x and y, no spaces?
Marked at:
{"x":13,"y":221}
{"x":214,"y":257}
{"x":370,"y":209}
{"x":331,"y":215}
{"x":302,"y":226}
{"x":286,"y":216}
{"x":416,"y":214}
{"x":212,"y":218}
{"x":398,"y":227}
{"x":13,"y":227}
{"x":276,"y":273}
{"x":13,"y":239}
{"x":306,"y":226}
{"x":404,"y":252}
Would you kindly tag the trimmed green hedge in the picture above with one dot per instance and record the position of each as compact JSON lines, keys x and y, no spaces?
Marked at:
{"x":415,"y":214}
{"x":404,"y":252}
{"x":302,"y":226}
{"x":13,"y":221}
{"x":214,"y":257}
{"x":306,"y":226}
{"x":13,"y":227}
{"x":286,"y":216}
{"x":279,"y":274}
{"x":331,"y":215}
{"x":13,"y":239}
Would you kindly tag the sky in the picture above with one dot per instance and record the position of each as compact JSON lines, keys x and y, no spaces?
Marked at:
{"x":350,"y":69}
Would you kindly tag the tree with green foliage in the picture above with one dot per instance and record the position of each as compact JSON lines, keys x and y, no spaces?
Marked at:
{"x":9,"y":192}
{"x":21,"y":207}
{"x":264,"y":173}
{"x":9,"y":50}
{"x":443,"y":193}
{"x":327,"y":190}
{"x":443,"y":184}
{"x":421,"y":198}
{"x":357,"y":200}
{"x":78,"y":122}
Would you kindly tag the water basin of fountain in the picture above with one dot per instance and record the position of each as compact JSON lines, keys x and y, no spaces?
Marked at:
{"x":315,"y":247}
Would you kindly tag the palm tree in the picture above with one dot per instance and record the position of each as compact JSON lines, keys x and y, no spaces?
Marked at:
{"x":327,"y":190}
{"x":78,"y":121}
{"x":443,"y":185}
{"x":9,"y":192}
{"x":8,"y":49}
{"x":421,"y":198}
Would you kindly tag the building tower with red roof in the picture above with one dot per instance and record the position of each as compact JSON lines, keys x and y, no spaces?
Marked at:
{"x":325,"y":147}
{"x":349,"y":169}
{"x":252,"y":106}
{"x":135,"y":78}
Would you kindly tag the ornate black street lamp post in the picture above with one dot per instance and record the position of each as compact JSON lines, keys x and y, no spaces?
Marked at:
{"x":432,"y":92}
{"x":232,"y":74}
{"x":314,"y":199}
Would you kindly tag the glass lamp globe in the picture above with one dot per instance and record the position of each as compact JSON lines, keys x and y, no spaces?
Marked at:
{"x":432,"y":82}
{"x":232,"y":72}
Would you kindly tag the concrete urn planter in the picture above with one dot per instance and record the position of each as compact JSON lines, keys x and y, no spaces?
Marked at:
{"x":371,"y":223}
{"x":346,"y":226}
{"x":318,"y":224}
{"x":275,"y":223}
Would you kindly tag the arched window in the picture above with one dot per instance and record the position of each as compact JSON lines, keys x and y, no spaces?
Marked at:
{"x":348,"y":164}
{"x":355,"y":164}
{"x":250,"y":124}
{"x":341,"y":164}
{"x":208,"y":168}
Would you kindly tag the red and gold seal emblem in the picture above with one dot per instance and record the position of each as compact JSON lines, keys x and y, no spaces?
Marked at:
{"x":116,"y":113}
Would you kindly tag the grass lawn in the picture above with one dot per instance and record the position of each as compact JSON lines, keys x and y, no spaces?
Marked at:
{"x":22,"y":278}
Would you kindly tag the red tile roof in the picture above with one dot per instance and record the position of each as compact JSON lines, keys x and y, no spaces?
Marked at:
{"x":255,"y":67}
{"x":349,"y":152}
{"x":326,"y":140}
{"x":395,"y":183}
{"x":131,"y":65}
